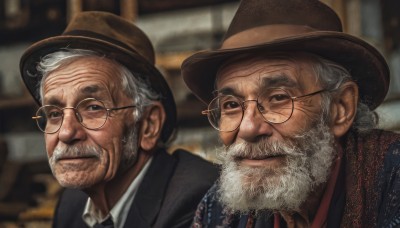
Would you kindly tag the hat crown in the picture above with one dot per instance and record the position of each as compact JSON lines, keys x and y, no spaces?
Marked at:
{"x":110,"y":27}
{"x":260,"y":27}
{"x":261,"y":13}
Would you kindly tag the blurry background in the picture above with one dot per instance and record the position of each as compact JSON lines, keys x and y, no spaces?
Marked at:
{"x":177,"y":28}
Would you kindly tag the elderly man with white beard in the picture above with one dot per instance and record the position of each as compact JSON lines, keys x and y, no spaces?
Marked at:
{"x":292,"y":97}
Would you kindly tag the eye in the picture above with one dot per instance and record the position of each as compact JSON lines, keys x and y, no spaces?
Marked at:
{"x":229,"y":103}
{"x":94,"y":107}
{"x":273,"y":98}
{"x":261,"y":108}
{"x":91,"y":106}
{"x":278,"y":97}
{"x":53,"y":114}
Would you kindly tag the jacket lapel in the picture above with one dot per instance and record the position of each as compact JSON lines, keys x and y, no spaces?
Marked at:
{"x":150,"y":195}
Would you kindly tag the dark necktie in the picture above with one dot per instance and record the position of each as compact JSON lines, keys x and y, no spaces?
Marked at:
{"x":108,"y":223}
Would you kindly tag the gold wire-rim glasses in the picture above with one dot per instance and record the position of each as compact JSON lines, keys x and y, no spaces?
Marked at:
{"x":42,"y":120}
{"x":213,"y":116}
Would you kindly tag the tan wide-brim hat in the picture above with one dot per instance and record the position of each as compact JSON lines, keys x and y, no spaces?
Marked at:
{"x":268,"y":26}
{"x":112,"y":36}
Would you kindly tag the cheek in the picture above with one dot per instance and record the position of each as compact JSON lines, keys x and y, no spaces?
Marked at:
{"x":114,"y":153}
{"x":51,"y":141}
{"x":300,"y":123}
{"x":227,"y":138}
{"x":112,"y":158}
{"x":111,"y":145}
{"x":295,"y":126}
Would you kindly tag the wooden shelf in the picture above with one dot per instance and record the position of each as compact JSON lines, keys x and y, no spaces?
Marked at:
{"x":172,"y":61}
{"x":9,"y":103}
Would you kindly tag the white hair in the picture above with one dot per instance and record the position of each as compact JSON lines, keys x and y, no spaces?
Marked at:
{"x":132,"y":83}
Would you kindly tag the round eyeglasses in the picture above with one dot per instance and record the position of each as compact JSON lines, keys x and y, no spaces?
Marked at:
{"x":90,"y":113}
{"x":225,"y":112}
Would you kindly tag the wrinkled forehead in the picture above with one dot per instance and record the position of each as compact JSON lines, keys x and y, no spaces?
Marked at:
{"x":292,"y":68}
{"x":84,"y":76}
{"x":88,"y":66}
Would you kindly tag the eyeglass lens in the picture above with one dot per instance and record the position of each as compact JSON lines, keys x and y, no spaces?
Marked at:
{"x":226,"y":111}
{"x":91,"y":113}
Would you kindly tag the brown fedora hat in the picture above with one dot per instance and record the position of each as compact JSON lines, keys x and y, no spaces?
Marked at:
{"x":112,"y":36}
{"x":266,"y":26}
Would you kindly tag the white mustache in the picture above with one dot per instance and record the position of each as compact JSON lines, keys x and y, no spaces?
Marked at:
{"x":80,"y":151}
{"x":262,"y":149}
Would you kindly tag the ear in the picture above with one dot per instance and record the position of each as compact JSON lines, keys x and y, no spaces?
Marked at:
{"x":151,"y":126}
{"x":344,"y":108}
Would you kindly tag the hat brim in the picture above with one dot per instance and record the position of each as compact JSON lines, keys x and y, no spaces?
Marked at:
{"x":366,"y":65}
{"x":130,"y":59}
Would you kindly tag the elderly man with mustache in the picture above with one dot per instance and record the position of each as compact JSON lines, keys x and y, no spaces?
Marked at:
{"x":292,"y":98}
{"x":108,"y":114}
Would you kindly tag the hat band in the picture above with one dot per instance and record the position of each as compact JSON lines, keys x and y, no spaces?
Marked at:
{"x":264,"y":34}
{"x":98,"y":36}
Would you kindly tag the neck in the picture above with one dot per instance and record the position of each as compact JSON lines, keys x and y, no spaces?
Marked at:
{"x":105,"y":195}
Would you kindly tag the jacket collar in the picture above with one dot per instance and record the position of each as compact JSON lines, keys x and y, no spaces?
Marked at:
{"x":150,"y":195}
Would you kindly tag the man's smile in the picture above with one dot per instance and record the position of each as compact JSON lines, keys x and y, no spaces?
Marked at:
{"x":265,"y":161}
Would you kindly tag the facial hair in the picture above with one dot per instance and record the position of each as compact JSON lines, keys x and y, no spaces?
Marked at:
{"x":130,"y":149}
{"x":308,"y":161}
{"x":129,"y":156}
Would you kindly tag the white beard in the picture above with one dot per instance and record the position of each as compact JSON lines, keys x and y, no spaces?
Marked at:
{"x":308,"y":164}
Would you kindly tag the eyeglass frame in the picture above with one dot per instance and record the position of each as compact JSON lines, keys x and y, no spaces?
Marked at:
{"x":78,"y":115}
{"x":293,"y":98}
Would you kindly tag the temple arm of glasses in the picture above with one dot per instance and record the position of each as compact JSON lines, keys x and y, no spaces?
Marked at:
{"x":206,"y":112}
{"x":119,"y":108}
{"x":36,"y":117}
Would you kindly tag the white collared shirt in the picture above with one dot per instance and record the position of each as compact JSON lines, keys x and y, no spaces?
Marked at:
{"x":91,"y":215}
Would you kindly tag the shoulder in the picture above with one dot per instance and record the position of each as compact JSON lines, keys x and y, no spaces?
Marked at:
{"x":391,"y":163}
{"x":393,"y":154}
{"x":183,"y":168}
{"x":195,"y":165}
{"x":69,"y":209}
{"x":193,"y":175}
{"x":190,"y":180}
{"x":389,"y":184}
{"x":211,"y":213}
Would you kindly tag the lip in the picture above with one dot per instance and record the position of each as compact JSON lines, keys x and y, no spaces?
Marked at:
{"x":79,"y":158}
{"x":268,"y":161}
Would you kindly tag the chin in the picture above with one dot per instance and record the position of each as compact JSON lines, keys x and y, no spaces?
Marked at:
{"x":77,"y":180}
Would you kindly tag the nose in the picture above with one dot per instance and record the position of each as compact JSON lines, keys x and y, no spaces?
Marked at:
{"x":253,"y":125}
{"x":71,"y":130}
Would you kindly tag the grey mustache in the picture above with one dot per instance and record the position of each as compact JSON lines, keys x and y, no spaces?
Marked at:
{"x":75,"y":152}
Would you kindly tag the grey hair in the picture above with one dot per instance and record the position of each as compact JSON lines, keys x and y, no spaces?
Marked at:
{"x":133,"y":84}
{"x":332,"y":76}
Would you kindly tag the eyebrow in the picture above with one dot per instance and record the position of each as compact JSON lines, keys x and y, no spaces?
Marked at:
{"x":53,"y":101}
{"x":87,"y":91}
{"x":277,"y":81}
{"x":226,"y":91}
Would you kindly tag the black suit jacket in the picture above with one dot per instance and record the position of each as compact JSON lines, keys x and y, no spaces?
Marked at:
{"x":167,"y":197}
